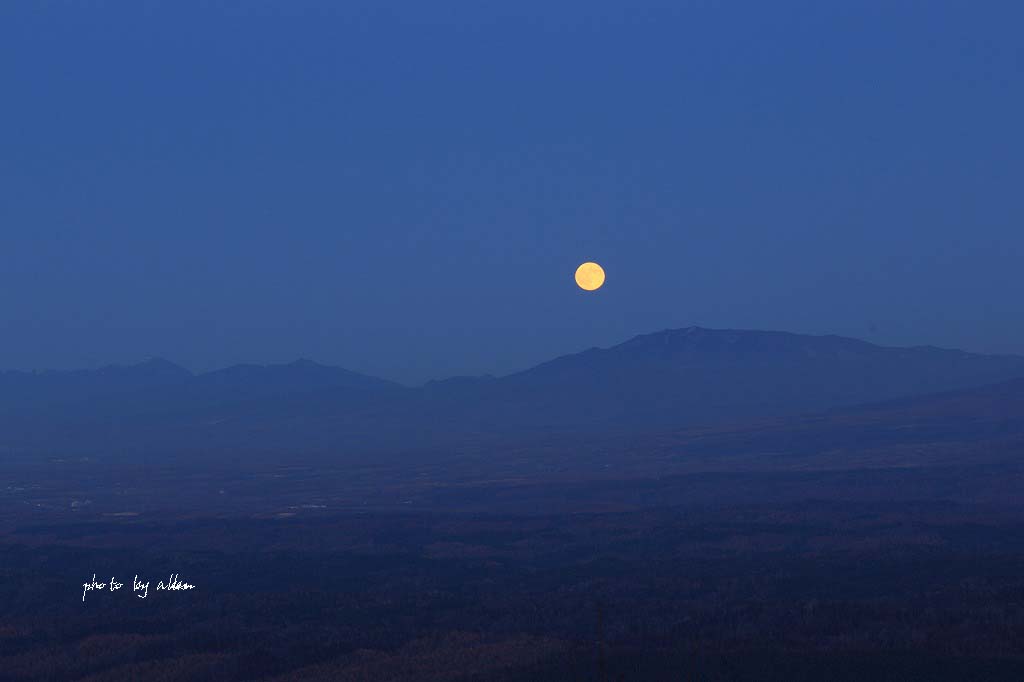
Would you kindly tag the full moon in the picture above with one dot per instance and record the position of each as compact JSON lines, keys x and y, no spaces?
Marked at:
{"x":590,"y":276}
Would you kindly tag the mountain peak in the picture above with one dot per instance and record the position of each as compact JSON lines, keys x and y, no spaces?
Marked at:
{"x":743,"y":341}
{"x":697,"y":374}
{"x":163,"y":365}
{"x":296,"y":376}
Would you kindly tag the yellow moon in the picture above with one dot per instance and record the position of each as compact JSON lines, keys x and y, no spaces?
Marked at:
{"x":590,"y":276}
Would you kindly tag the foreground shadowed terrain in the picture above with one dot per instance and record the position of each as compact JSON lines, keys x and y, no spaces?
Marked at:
{"x":802,"y":591}
{"x":883,"y":541}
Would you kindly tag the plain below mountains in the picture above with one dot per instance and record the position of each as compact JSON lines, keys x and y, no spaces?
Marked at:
{"x":669,"y":379}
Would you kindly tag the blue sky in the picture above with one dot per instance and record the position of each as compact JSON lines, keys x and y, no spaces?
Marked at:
{"x":405,"y":188}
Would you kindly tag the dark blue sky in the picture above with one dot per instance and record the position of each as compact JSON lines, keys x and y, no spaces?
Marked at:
{"x":405,"y":188}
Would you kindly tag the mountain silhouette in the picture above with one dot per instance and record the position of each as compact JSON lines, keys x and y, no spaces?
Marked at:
{"x":692,"y":375}
{"x":161,"y":381}
{"x":295,"y":377}
{"x":668,"y":379}
{"x":50,"y":387}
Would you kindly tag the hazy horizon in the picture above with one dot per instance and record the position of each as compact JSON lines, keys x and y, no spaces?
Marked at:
{"x":352,"y":366}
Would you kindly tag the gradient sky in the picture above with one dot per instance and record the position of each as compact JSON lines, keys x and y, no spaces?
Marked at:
{"x":405,"y":188}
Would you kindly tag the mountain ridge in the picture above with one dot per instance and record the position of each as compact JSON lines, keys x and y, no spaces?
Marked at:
{"x":669,"y":336}
{"x":667,"y":379}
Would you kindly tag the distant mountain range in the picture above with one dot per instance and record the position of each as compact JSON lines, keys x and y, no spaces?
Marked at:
{"x":51,"y":387}
{"x":669,"y":379}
